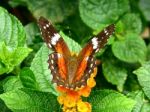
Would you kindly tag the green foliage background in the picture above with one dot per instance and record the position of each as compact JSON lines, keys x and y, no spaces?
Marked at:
{"x":123,"y":78}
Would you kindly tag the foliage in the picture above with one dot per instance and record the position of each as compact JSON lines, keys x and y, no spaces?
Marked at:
{"x":108,"y":100}
{"x":25,"y":80}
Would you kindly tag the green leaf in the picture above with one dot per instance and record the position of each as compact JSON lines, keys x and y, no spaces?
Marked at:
{"x":146,"y":107}
{"x":25,"y":100}
{"x":56,"y":10}
{"x":75,"y":28}
{"x":73,"y":46}
{"x":32,"y":33}
{"x":1,"y":87}
{"x":33,"y":40}
{"x":142,"y":105}
{"x":11,"y":30}
{"x":143,"y":74}
{"x":15,"y":3}
{"x":110,"y":101}
{"x":12,"y":42}
{"x":28,"y":79}
{"x":114,"y":72}
{"x":99,"y":13}
{"x":11,"y":83}
{"x":10,"y":58}
{"x":131,"y":23}
{"x":3,"y":107}
{"x":3,"y":69}
{"x":120,"y":27}
{"x":131,"y":49}
{"x":20,"y":54}
{"x":131,"y":83}
{"x":144,"y":6}
{"x":148,"y":52}
{"x":39,"y":66}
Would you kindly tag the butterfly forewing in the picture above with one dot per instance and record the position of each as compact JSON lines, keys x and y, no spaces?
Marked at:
{"x":102,"y":37}
{"x":97,"y":42}
{"x":52,"y":37}
{"x":57,"y":60}
{"x":85,"y":58}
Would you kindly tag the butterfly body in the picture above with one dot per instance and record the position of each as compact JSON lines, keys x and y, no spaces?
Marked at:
{"x":72,"y":68}
{"x":71,"y":71}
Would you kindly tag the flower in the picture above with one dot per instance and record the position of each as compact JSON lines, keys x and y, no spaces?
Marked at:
{"x":83,"y":106}
{"x":71,"y":99}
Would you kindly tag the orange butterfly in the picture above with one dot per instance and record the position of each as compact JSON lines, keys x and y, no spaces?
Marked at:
{"x":71,"y":71}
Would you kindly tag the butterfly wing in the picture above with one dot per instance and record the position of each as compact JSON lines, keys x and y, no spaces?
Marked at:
{"x":81,"y":80}
{"x":86,"y":60}
{"x":97,"y":42}
{"x":52,"y":38}
{"x":57,"y":60}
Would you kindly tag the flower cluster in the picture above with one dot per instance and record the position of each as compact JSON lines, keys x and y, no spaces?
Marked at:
{"x":71,"y":99}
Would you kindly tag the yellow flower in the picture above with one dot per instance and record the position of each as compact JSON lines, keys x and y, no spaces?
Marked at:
{"x":71,"y":99}
{"x":91,"y":81}
{"x":83,"y":106}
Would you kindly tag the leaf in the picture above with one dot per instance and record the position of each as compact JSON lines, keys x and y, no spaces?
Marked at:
{"x":11,"y":83}
{"x":20,"y":54}
{"x":144,"y":6}
{"x":132,"y":23}
{"x":73,"y":46}
{"x":3,"y":69}
{"x":146,"y":107}
{"x":10,"y":58}
{"x":114,"y":72}
{"x":25,"y":100}
{"x":15,"y":3}
{"x":1,"y":87}
{"x":148,"y":52}
{"x":3,"y":107}
{"x":12,"y":42}
{"x":56,"y":10}
{"x":32,"y":33}
{"x":131,"y":83}
{"x":143,"y":75}
{"x":75,"y":28}
{"x":33,"y":40}
{"x":110,"y":101}
{"x":99,"y":13}
{"x":39,"y":65}
{"x":142,"y":105}
{"x":28,"y":79}
{"x":131,"y":49}
{"x":11,"y":30}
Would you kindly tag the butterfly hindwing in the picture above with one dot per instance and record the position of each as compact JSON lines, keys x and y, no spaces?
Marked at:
{"x":91,"y":64}
{"x":58,"y":70}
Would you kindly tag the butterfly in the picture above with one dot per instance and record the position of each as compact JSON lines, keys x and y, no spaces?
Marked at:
{"x":68,"y":70}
